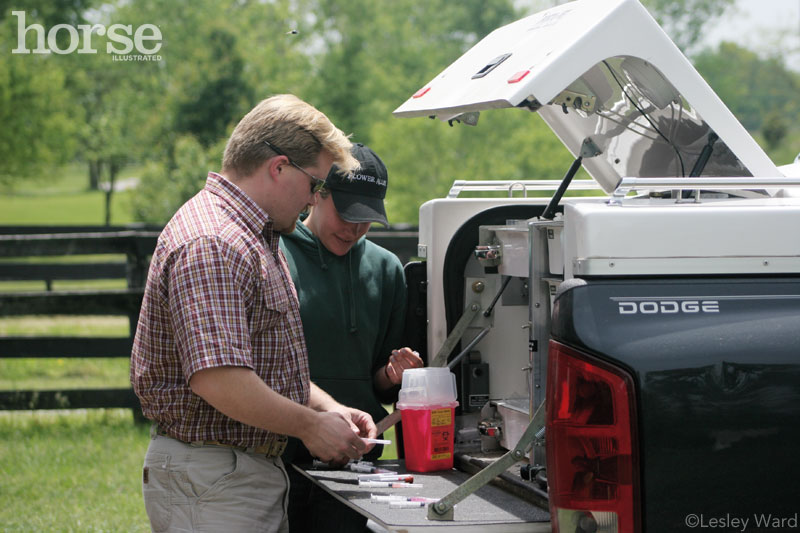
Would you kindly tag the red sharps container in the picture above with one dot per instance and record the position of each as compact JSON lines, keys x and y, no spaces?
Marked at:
{"x":427,"y":405}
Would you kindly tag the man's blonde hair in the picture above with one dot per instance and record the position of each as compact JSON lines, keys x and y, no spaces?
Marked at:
{"x":295,"y":127}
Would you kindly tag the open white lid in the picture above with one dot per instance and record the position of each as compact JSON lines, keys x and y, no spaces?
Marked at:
{"x":601,"y":70}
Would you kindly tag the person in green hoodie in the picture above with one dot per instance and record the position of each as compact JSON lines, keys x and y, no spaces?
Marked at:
{"x":352,"y":304}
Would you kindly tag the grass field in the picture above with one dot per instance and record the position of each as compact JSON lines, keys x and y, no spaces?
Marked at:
{"x":64,"y":198}
{"x":72,"y":471}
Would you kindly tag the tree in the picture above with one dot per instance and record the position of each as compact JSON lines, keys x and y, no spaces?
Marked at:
{"x":755,"y":88}
{"x":219,"y":58}
{"x":84,"y":104}
{"x":47,"y":12}
{"x":208,"y":106}
{"x":424,"y":157}
{"x":356,"y":60}
{"x":35,"y":108}
{"x":774,"y":129}
{"x":366,"y":70}
{"x":685,"y":20}
{"x":100,"y":92}
{"x":115,"y":101}
{"x":320,"y":50}
{"x":162,"y":191}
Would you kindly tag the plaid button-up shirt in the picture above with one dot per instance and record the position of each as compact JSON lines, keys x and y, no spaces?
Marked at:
{"x":218,"y":294}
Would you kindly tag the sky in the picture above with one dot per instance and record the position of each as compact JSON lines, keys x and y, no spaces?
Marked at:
{"x":765,"y":26}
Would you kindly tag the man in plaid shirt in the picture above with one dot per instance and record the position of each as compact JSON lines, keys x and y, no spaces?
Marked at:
{"x":219,"y":360}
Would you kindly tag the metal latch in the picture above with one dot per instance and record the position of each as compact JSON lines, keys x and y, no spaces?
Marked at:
{"x":490,"y":428}
{"x":584,"y":102}
{"x":489,"y":254}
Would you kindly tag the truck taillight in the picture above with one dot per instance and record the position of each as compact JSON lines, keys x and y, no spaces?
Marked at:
{"x":592,"y":464}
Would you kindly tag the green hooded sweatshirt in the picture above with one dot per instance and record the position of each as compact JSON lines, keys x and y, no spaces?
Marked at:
{"x":353,"y":312}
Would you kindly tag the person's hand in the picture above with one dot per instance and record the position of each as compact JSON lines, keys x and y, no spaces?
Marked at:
{"x":360,"y":422}
{"x":363,"y":421}
{"x":333,"y":437}
{"x":400,"y":361}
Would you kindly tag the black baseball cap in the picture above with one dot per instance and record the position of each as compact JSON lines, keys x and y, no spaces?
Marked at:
{"x":359,"y":197}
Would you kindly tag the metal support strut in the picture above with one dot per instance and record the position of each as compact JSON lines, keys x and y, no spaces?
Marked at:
{"x":472,"y":310}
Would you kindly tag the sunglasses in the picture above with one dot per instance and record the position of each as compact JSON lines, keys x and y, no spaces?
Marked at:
{"x":317,"y":184}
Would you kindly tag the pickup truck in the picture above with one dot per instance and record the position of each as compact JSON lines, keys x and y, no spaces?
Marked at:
{"x":636,"y":352}
{"x":660,"y":323}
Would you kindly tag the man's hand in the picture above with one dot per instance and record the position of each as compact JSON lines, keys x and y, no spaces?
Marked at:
{"x":333,"y":439}
{"x":363,"y":422}
{"x":331,"y":444}
{"x":360,"y":422}
{"x":400,"y":361}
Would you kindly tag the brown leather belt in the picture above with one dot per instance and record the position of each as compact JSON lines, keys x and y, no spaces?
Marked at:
{"x":273,"y":448}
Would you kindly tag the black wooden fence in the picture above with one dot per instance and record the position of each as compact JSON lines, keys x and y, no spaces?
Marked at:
{"x":17,"y":244}
{"x":136,"y":245}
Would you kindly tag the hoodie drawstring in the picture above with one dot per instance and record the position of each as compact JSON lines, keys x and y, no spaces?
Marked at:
{"x":351,"y":292}
{"x":322,"y":262}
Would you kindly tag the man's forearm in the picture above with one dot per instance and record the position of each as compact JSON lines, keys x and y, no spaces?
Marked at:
{"x":240,"y":394}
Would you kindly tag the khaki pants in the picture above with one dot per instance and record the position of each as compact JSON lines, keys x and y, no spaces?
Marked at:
{"x":212,"y":488}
